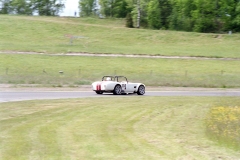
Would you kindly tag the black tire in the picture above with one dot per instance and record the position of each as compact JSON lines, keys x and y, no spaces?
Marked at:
{"x":117,"y":90}
{"x":141,"y":90}
{"x":99,"y":92}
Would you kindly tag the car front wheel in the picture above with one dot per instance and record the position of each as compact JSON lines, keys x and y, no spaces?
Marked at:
{"x":117,"y":90}
{"x":141,"y":90}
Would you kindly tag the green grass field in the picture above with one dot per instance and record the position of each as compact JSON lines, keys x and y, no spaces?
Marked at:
{"x":116,"y":128}
{"x":47,"y":35}
{"x":120,"y":127}
{"x":78,"y":70}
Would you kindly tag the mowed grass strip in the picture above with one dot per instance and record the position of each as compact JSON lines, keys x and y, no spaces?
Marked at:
{"x":111,"y":128}
{"x":50,"y":35}
{"x":78,"y":70}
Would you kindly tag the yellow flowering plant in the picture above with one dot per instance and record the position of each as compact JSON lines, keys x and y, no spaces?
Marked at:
{"x":223,"y":125}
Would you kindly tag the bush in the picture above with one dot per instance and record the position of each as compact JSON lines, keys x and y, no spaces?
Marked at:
{"x":129,"y":21}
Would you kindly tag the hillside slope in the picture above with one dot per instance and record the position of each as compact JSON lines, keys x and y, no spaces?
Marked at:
{"x":92,"y":35}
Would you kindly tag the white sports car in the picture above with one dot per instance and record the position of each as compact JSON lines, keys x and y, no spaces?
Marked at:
{"x":117,"y":85}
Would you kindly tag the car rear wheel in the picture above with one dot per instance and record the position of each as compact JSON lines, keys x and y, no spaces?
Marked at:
{"x":117,"y":90}
{"x":141,"y":90}
{"x":99,"y":92}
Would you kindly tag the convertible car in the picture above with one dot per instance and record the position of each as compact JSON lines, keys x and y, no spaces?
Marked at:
{"x":117,"y":85}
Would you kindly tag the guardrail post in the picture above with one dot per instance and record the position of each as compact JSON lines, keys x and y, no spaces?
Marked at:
{"x":61,"y":72}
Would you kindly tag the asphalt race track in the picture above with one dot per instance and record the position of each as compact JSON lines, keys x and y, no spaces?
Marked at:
{"x":8,"y":96}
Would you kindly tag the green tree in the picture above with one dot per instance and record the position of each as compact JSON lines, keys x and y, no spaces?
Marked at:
{"x":154,"y":14}
{"x":204,"y":16}
{"x":236,"y":18}
{"x":166,"y":11}
{"x":114,"y":8}
{"x":187,"y":19}
{"x":21,"y":7}
{"x":5,"y":6}
{"x":107,"y":7}
{"x":47,"y":7}
{"x":42,"y":7}
{"x":120,"y":9}
{"x":86,"y":7}
{"x":136,"y":6}
{"x":129,"y":21}
{"x":174,"y":23}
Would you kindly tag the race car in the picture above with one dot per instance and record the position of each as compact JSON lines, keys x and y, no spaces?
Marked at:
{"x":117,"y":85}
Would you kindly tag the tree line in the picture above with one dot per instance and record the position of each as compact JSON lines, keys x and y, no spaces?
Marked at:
{"x":183,"y":15}
{"x":30,"y":7}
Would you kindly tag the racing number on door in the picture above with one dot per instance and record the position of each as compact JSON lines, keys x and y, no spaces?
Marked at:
{"x":124,"y":86}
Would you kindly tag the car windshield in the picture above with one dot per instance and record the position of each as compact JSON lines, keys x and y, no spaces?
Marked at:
{"x":121,"y":79}
{"x":115,"y":78}
{"x":108,"y":78}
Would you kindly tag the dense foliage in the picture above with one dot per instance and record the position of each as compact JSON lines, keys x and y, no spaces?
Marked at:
{"x":186,"y":15}
{"x":29,"y":7}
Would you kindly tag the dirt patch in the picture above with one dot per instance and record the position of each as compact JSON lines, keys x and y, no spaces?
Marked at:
{"x":120,"y":55}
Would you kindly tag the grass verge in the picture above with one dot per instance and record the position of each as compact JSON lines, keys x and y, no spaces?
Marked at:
{"x":111,"y":128}
{"x":77,"y":70}
{"x":48,"y":35}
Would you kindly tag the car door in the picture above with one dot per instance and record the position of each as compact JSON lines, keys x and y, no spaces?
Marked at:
{"x":123,"y":82}
{"x":124,"y":86}
{"x":130,"y":87}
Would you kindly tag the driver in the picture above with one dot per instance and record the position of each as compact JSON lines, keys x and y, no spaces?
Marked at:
{"x":108,"y":79}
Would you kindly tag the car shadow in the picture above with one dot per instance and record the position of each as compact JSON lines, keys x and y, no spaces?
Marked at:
{"x":110,"y":94}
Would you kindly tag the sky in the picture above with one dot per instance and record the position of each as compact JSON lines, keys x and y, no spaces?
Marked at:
{"x":71,"y":6}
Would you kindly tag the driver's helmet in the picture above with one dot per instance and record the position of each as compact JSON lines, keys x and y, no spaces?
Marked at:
{"x":108,"y":79}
